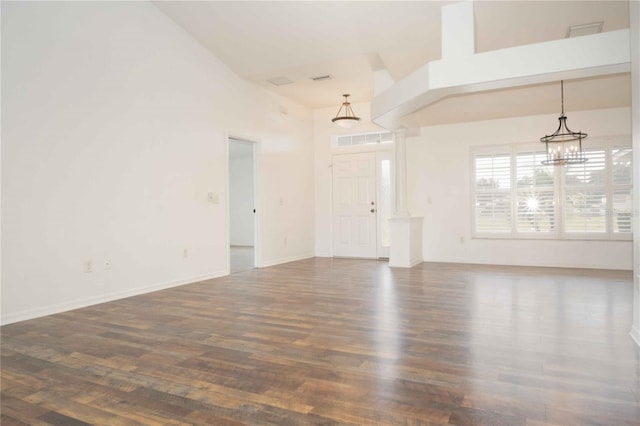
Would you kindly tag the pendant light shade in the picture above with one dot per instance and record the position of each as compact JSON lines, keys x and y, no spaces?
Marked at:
{"x":564,"y":146}
{"x":348,"y":119}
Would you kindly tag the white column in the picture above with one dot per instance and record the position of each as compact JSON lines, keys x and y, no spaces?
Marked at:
{"x":406,"y":231}
{"x":400,"y":144}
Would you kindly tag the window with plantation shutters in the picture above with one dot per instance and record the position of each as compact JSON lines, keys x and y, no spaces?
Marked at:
{"x":493,"y":193}
{"x":585,"y":196}
{"x":516,"y":196}
{"x":622,"y":178}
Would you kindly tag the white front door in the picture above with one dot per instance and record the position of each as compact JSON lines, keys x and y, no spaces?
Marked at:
{"x":354,"y":205}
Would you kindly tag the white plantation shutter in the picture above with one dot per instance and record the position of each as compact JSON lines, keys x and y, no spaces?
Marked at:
{"x":536,"y":194}
{"x":585,"y":199}
{"x":622,"y":181}
{"x":493,"y":193}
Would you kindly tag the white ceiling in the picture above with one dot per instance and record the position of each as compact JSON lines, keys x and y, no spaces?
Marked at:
{"x":350,"y":39}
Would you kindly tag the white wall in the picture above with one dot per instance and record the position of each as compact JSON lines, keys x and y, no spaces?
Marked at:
{"x":241,"y":201}
{"x":323,"y":130}
{"x":439,"y":181}
{"x":114,"y":124}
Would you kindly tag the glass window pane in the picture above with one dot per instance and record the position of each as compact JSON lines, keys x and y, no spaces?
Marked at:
{"x":384,"y":205}
{"x":622,"y":209}
{"x":535,"y":211}
{"x":493,"y":172}
{"x":358,"y":139}
{"x":621,"y":163}
{"x":344,"y":140}
{"x":493,"y":212}
{"x":386,"y":137}
{"x":585,"y":211}
{"x":531,"y":173}
{"x":590,"y":173}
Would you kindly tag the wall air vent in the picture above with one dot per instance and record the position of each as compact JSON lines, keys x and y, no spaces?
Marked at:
{"x":279,"y":81}
{"x":322,"y":78}
{"x":585,"y":29}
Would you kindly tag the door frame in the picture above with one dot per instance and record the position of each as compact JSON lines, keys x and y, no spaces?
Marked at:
{"x":257,"y":222}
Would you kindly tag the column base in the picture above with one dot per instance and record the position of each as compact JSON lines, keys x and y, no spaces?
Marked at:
{"x":406,"y":242}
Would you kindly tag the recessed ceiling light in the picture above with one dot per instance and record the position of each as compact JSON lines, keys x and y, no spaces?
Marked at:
{"x":585,"y":29}
{"x":279,"y":81}
{"x":321,"y":78}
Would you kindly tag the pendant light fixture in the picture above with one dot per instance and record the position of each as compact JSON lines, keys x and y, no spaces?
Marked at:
{"x":564,"y":147}
{"x":347,"y":120}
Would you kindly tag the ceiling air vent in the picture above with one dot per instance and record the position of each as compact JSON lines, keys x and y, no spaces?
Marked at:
{"x":584,"y":29}
{"x":279,"y":81}
{"x":322,"y":78}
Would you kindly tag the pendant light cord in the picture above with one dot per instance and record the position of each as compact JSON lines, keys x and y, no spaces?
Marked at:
{"x":562,"y":94}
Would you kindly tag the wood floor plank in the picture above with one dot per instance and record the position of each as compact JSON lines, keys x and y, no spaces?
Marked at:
{"x":337,"y":341}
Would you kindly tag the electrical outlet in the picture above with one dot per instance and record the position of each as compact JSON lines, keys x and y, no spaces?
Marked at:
{"x":107,"y":265}
{"x":285,"y":241}
{"x":185,"y":253}
{"x":461,"y":240}
{"x":87,"y":266}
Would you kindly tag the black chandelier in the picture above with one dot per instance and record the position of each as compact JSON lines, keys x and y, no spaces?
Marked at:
{"x":347,"y":120}
{"x":564,"y":147}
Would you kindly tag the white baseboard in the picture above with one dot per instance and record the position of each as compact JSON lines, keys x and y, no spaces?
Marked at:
{"x":567,"y":265}
{"x":103,"y":298}
{"x":282,"y":260}
{"x":635,"y":334}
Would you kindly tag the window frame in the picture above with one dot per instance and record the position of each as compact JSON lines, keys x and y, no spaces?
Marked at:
{"x":609,"y":144}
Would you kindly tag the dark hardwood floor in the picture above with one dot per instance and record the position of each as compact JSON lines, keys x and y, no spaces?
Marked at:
{"x":336,"y":341}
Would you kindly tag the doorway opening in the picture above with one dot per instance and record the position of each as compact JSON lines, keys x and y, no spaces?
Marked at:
{"x":242,"y":213}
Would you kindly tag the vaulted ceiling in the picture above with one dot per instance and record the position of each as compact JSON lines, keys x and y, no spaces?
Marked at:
{"x":298,"y":41}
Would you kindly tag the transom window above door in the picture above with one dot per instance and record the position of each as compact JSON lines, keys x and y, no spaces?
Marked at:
{"x":371,"y":138}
